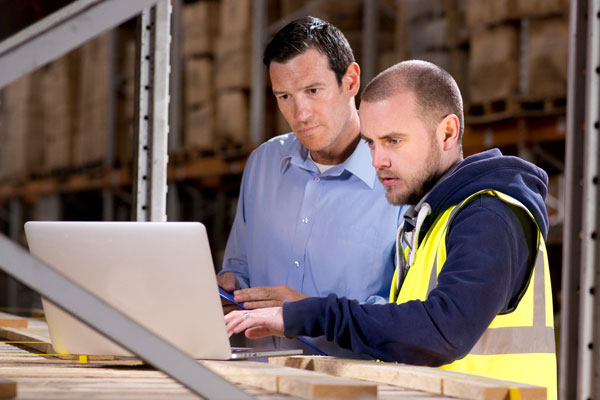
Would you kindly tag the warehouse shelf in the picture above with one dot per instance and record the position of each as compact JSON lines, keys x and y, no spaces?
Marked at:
{"x":208,"y":169}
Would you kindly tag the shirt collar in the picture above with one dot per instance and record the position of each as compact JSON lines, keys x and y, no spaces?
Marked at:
{"x":358,"y":164}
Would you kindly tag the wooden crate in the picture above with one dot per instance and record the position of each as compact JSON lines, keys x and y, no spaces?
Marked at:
{"x":200,"y":27}
{"x":233,"y":62}
{"x":494,"y":63}
{"x":547,"y":57}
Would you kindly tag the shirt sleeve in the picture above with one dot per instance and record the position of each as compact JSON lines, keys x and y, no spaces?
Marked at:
{"x":487,"y":263}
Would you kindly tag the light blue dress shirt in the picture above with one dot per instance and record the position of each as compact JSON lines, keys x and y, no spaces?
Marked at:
{"x":317,"y":233}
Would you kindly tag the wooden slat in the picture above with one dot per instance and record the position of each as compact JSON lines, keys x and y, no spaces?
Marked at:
{"x":415,"y":378}
{"x":326,"y":387}
{"x":8,"y":388}
{"x":38,"y":339}
{"x":12,"y":321}
{"x":293,"y":381}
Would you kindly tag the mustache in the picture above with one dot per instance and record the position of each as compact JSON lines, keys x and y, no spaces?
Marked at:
{"x":386,"y":174}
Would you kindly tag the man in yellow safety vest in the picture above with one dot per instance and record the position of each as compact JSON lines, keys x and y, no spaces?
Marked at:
{"x":472,"y":290}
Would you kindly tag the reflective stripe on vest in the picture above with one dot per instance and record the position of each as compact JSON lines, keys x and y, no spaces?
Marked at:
{"x":518,"y":345}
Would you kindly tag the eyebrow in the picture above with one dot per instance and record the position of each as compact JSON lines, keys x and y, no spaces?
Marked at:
{"x":311,"y":85}
{"x":387,"y":136}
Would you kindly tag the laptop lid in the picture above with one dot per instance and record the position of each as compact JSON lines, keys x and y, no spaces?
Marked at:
{"x":159,"y":274}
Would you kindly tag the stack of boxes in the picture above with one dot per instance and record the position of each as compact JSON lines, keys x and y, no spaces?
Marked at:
{"x":89,"y":140}
{"x":517,"y":48}
{"x":232,"y":74}
{"x":434,"y":30}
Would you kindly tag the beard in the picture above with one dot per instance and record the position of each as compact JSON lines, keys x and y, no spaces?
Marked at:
{"x":417,"y":185}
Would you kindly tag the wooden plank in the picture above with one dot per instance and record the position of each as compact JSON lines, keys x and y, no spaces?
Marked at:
{"x":12,"y":321}
{"x":39,"y":340}
{"x":317,"y":387}
{"x":8,"y":388}
{"x":410,"y":377}
{"x":432,"y":380}
{"x":293,"y":381}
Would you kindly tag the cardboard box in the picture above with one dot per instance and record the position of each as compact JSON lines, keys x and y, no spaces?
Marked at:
{"x":494,"y":63}
{"x":537,"y":8}
{"x":235,"y":17}
{"x":89,"y":142}
{"x":199,"y":127}
{"x":198,"y":81}
{"x":232,"y":119}
{"x":200,"y":27}
{"x":233,"y":62}
{"x":13,"y":128}
{"x":547,"y":57}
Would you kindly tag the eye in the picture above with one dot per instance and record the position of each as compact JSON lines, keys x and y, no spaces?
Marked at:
{"x":313,"y":90}
{"x":369,"y":142}
{"x":282,"y":97}
{"x":394,"y":141}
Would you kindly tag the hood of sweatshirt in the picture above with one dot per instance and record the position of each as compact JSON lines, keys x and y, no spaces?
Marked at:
{"x":490,"y":170}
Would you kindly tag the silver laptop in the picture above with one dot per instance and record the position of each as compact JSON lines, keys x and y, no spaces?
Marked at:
{"x":159,"y":274}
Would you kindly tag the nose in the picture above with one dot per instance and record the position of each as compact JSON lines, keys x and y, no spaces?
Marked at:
{"x":380,"y":158}
{"x":302,"y":110}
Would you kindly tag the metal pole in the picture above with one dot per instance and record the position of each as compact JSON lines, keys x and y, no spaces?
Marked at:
{"x":588,"y":365}
{"x":102,"y":317}
{"x":369,"y":41}
{"x":150,"y":176}
{"x":108,"y":202}
{"x":257,"y":91}
{"x":571,"y":259}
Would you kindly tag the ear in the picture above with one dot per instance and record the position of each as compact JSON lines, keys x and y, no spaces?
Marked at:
{"x":448,"y":130}
{"x":351,"y":79}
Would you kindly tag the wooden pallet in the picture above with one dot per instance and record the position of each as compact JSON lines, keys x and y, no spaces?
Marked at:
{"x":516,"y":106}
{"x":45,"y":376}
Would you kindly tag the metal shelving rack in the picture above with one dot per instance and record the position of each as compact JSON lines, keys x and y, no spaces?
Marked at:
{"x":45,"y":41}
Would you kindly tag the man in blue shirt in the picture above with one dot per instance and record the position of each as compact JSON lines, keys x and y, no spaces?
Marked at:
{"x":312,"y":218}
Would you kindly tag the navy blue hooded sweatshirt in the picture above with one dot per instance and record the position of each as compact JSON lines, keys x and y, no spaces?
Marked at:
{"x":490,"y":251}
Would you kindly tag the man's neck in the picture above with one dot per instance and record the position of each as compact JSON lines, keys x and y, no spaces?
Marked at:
{"x":344,"y":145}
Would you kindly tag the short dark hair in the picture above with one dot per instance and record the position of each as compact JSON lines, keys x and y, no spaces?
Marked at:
{"x":310,"y":32}
{"x":435,"y":90}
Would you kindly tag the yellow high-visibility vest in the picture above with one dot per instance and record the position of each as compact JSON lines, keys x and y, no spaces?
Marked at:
{"x":517,"y":346}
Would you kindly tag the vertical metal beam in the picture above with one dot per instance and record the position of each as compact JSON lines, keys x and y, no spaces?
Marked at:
{"x":257,"y":91}
{"x":589,"y":319}
{"x":104,"y":318}
{"x":369,"y":40}
{"x":571,"y":259}
{"x":176,"y":81}
{"x":152,"y":95}
{"x":108,"y":201}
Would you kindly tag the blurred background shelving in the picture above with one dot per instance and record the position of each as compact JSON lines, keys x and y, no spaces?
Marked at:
{"x":66,"y":129}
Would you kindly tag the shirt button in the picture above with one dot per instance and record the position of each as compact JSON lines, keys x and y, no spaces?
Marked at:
{"x":317,"y":179}
{"x":297,"y":264}
{"x":305,"y":220}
